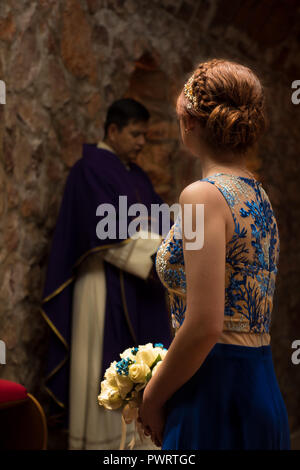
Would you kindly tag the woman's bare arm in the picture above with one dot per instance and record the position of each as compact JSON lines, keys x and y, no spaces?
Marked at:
{"x":205,"y":280}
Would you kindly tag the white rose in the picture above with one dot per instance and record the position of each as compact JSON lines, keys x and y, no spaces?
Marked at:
{"x":146,"y":354}
{"x":127,"y":353}
{"x":109,"y":397}
{"x":124,"y":384}
{"x":138,"y":372}
{"x":160,"y":351}
{"x":156,"y":367}
{"x":111,"y":373}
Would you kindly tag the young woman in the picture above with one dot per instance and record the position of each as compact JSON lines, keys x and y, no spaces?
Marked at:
{"x":217,"y":388}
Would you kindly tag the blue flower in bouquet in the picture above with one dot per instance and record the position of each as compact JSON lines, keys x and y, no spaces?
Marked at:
{"x":123,"y":366}
{"x":159,"y":345}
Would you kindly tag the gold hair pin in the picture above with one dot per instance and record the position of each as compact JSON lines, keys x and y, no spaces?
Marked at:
{"x":188,"y":93}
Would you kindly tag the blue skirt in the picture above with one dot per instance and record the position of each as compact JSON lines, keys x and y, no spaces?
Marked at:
{"x":232,"y":402}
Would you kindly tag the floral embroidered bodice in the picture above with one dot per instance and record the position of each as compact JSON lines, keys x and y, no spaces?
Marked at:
{"x":252,"y":257}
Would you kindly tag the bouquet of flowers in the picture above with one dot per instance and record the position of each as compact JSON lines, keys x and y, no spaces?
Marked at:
{"x":125,"y":380}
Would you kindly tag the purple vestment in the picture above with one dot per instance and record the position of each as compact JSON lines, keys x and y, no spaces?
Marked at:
{"x":98,"y":177}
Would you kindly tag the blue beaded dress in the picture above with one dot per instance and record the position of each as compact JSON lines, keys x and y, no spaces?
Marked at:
{"x":233,"y":401}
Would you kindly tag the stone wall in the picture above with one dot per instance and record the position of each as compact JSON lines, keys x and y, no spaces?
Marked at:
{"x":63,"y":63}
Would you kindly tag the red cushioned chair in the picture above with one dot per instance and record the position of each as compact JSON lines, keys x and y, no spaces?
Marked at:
{"x":23,"y":421}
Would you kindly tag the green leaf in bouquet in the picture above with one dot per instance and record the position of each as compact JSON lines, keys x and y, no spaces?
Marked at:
{"x":156,"y":361}
{"x":148,"y":376}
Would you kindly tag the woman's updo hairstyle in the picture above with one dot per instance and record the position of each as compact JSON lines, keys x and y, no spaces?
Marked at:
{"x":228,"y":100}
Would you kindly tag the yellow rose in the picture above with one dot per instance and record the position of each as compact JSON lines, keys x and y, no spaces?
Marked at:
{"x":138,"y":372}
{"x":109,"y":397}
{"x":124,"y":384}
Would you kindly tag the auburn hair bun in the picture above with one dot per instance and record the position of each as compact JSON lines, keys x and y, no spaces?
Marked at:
{"x":228,"y":99}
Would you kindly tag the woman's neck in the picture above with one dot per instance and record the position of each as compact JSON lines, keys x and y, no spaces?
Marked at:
{"x":238,"y":167}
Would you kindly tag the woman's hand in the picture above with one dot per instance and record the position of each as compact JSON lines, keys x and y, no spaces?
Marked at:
{"x":153,"y":419}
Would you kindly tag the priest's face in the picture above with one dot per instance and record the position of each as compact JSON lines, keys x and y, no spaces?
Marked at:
{"x":129,"y":141}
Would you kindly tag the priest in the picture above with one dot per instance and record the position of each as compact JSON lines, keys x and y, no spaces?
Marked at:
{"x":102,"y":294}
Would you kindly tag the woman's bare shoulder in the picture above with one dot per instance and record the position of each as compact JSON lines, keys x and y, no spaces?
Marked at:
{"x":200,"y":192}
